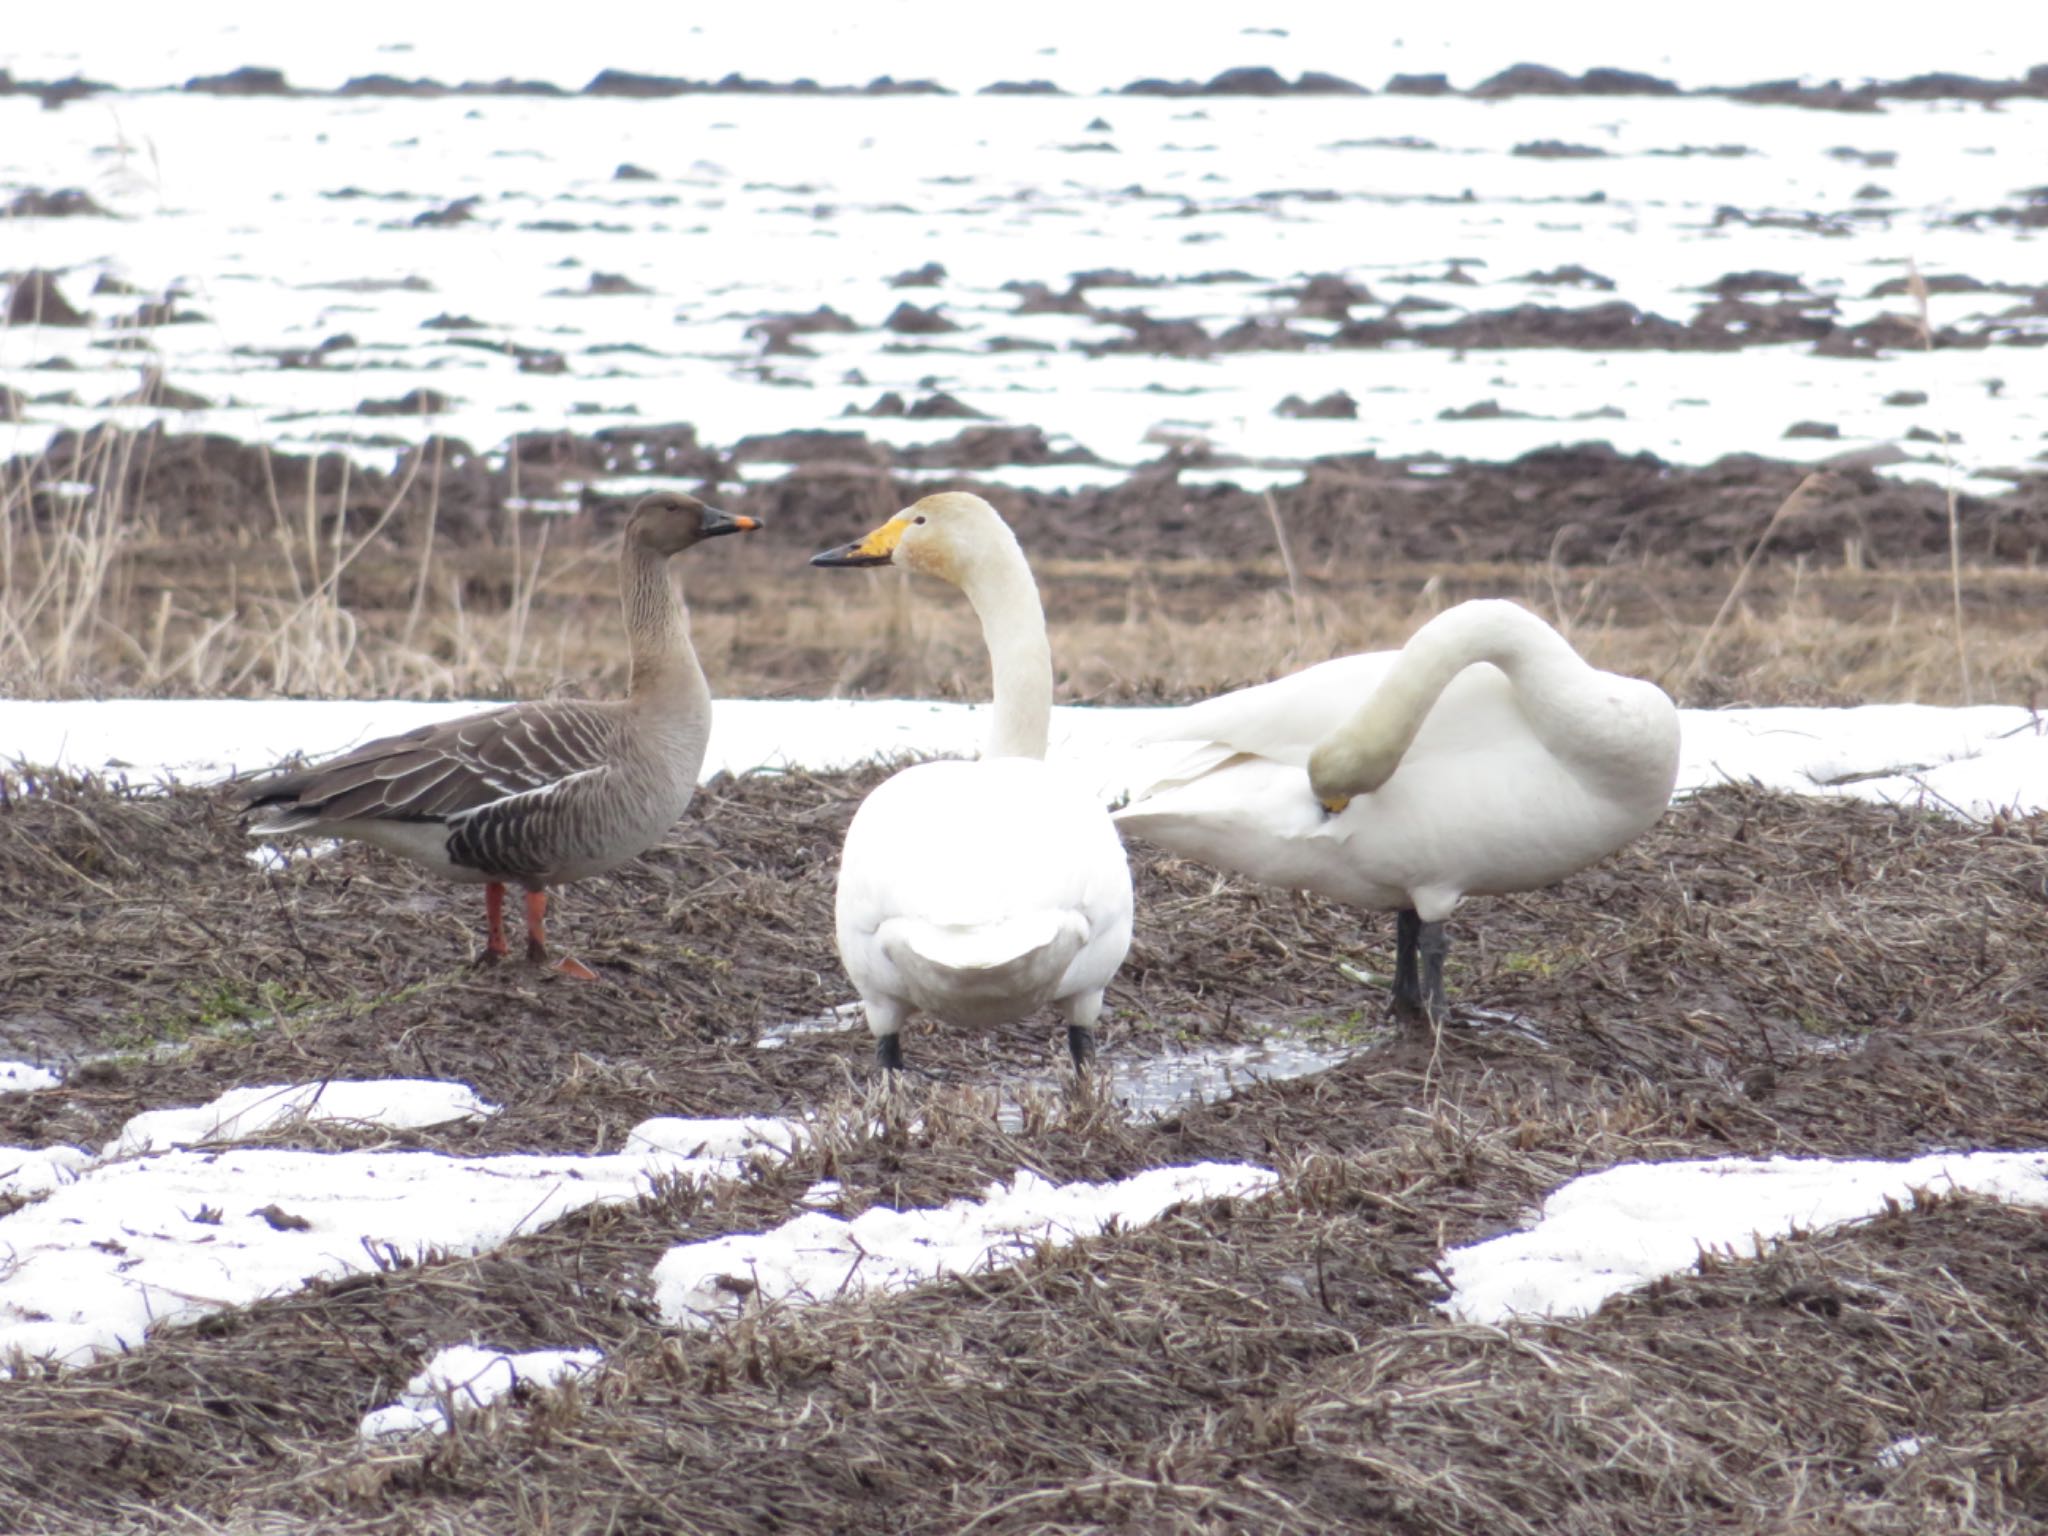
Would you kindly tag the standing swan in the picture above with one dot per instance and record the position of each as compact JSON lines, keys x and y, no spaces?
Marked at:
{"x":535,"y":794}
{"x":1487,"y":757}
{"x":978,"y":892}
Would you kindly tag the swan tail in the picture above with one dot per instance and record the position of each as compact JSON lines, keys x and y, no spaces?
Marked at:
{"x":1021,"y":955}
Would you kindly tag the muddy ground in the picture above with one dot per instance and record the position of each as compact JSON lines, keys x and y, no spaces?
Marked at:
{"x":1577,"y":505}
{"x":1758,"y":974}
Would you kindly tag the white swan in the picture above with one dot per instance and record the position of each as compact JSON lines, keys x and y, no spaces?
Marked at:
{"x":1484,"y":756}
{"x":978,"y":892}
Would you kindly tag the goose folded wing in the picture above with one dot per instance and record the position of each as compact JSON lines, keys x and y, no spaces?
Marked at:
{"x":442,"y":771}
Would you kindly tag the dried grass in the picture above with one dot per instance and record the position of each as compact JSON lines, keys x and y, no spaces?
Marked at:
{"x":323,"y":588}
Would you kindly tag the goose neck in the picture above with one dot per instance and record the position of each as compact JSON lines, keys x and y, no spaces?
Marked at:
{"x":657,"y":628}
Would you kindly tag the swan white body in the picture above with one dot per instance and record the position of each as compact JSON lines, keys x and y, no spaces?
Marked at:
{"x":1485,"y":756}
{"x":980,"y":892}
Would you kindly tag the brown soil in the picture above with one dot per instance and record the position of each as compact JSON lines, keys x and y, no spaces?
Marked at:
{"x":1578,"y":505}
{"x":1758,"y":974}
{"x":1241,"y":80}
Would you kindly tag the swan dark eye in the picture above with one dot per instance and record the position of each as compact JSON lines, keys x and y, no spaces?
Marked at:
{"x":918,"y":520}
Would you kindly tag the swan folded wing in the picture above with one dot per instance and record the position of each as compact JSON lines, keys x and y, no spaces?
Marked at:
{"x":1151,"y":768}
{"x":1281,"y":720}
{"x":439,"y":772}
{"x":1243,"y":796}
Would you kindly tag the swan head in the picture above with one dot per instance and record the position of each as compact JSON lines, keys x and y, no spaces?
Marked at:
{"x":1343,"y":765}
{"x":943,"y":535}
{"x":669,"y":522}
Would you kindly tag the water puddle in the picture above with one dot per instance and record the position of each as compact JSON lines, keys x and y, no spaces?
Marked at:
{"x":1153,"y":1087}
{"x":831,"y":1022}
{"x":1149,"y":1087}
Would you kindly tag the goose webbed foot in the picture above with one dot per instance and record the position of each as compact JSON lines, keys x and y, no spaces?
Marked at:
{"x":537,"y":940}
{"x":1081,"y":1046}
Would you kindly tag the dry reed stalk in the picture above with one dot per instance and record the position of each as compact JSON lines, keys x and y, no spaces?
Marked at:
{"x":317,"y":622}
{"x":1808,"y":487}
{"x":419,"y":586}
{"x":1917,"y":286}
{"x":68,"y":567}
{"x":1287,"y":563}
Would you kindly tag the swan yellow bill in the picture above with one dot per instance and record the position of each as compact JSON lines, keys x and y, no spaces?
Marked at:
{"x":874,"y":549}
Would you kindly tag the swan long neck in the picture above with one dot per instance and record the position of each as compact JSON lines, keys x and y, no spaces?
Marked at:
{"x":998,"y":583}
{"x":1362,"y":754}
{"x":665,"y":670}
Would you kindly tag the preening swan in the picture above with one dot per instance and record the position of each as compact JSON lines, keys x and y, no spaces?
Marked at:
{"x":535,"y":794}
{"x":1484,"y":756}
{"x":979,"y":892}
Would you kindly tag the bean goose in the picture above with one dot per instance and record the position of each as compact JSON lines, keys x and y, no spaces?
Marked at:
{"x":536,"y":794}
{"x":1484,"y":756}
{"x":979,"y":892}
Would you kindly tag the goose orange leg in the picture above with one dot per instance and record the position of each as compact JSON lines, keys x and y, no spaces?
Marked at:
{"x":537,"y":940}
{"x":494,"y":906}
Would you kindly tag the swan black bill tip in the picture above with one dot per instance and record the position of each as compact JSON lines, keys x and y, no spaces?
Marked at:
{"x":848,"y":555}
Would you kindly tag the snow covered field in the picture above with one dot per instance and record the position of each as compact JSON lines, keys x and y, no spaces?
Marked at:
{"x":1968,"y":761}
{"x":294,"y":225}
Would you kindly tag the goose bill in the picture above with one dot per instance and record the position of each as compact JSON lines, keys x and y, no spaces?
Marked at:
{"x":715,"y":522}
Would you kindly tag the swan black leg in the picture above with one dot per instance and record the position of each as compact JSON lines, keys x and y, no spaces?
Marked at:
{"x":1419,"y":950}
{"x":889,"y":1051}
{"x":1081,"y":1045}
{"x":1434,"y":944}
{"x":1407,"y":972}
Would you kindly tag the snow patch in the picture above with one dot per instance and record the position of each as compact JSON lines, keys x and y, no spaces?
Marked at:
{"x":241,"y":1114}
{"x":25,"y":1077}
{"x":467,"y":1377}
{"x":116,"y":1248}
{"x":819,"y":1257}
{"x":1619,"y":1230}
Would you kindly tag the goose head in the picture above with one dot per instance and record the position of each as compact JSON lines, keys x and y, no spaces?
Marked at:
{"x":668,"y":522}
{"x":948,"y":535}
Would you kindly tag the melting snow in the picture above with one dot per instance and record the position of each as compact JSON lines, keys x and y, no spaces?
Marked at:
{"x":1970,"y":761}
{"x":242,"y":1114}
{"x":24,"y":1077}
{"x":467,"y":1377}
{"x":1617,"y":1231}
{"x":149,"y":1237}
{"x":819,"y":1257}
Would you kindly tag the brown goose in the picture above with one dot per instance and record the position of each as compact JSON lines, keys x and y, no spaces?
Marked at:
{"x":535,"y":794}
